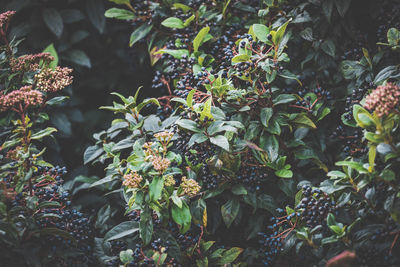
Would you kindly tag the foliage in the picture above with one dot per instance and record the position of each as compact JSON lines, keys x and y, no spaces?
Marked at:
{"x":250,"y":91}
{"x":97,"y":50}
{"x":36,"y":217}
{"x":273,"y":140}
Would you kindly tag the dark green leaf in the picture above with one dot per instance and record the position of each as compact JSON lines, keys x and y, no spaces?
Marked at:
{"x":79,"y":58}
{"x":140,"y":33}
{"x":229,"y":211}
{"x":53,"y":21}
{"x":121,"y":230}
{"x":265,"y":116}
{"x":92,"y":153}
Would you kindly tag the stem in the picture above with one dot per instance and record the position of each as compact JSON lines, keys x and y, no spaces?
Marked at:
{"x":3,"y":36}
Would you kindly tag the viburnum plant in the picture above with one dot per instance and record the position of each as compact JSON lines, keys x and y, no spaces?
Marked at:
{"x":38,"y":225}
{"x":233,"y":169}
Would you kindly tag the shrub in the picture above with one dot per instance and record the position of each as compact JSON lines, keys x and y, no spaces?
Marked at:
{"x":37,"y":222}
{"x":233,"y":168}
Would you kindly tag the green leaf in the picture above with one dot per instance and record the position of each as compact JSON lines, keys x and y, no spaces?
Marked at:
{"x":95,"y":10}
{"x":261,"y":31}
{"x":197,"y":138}
{"x":177,"y":200}
{"x":119,"y":13}
{"x":183,"y":7}
{"x":173,"y":22}
{"x":43,"y":133}
{"x":179,"y":53}
{"x":51,"y":49}
{"x":121,"y":230}
{"x":189,"y":99}
{"x":274,"y":127}
{"x":265,"y":116}
{"x":53,"y":21}
{"x":327,"y":7}
{"x":202,"y":262}
{"x":146,"y":226}
{"x":336,"y":174}
{"x":278,"y":36}
{"x":120,"y":2}
{"x":220,"y":141}
{"x":270,"y":144}
{"x":363,"y":118}
{"x":371,"y":157}
{"x":283,"y":99}
{"x":206,"y":112}
{"x":189,"y":20}
{"x":189,"y":125}
{"x":126,"y":256}
{"x":199,"y":38}
{"x":155,"y":188}
{"x":79,"y":58}
{"x":329,"y":47}
{"x":229,"y":256}
{"x":352,"y":164}
{"x":388,"y":175}
{"x":215,"y":127}
{"x":182,"y":216}
{"x":351,"y":69}
{"x":266,"y":202}
{"x":240,"y":58}
{"x":304,"y":120}
{"x":56,"y":100}
{"x":239,"y":190}
{"x":92,"y":153}
{"x":393,"y":36}
{"x":140,"y":33}
{"x":229,"y":211}
{"x":284,"y":173}
{"x":329,"y":240}
{"x":205,"y":246}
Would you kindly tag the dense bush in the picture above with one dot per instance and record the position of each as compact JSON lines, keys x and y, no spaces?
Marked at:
{"x":273,"y":141}
{"x":38,"y":224}
{"x":80,"y":34}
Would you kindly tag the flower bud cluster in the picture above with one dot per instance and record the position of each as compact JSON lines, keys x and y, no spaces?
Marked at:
{"x":169,"y":180}
{"x":132,"y":180}
{"x":30,"y":62}
{"x":148,"y":151}
{"x":383,"y":99}
{"x":25,"y":96}
{"x":5,"y":17}
{"x":190,"y":187}
{"x":160,"y":164}
{"x":50,"y":80}
{"x":164,"y":137}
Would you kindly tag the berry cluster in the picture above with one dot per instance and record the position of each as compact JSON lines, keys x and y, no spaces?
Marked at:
{"x":54,"y":211}
{"x":315,"y":207}
{"x":272,"y":241}
{"x":252,"y":175}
